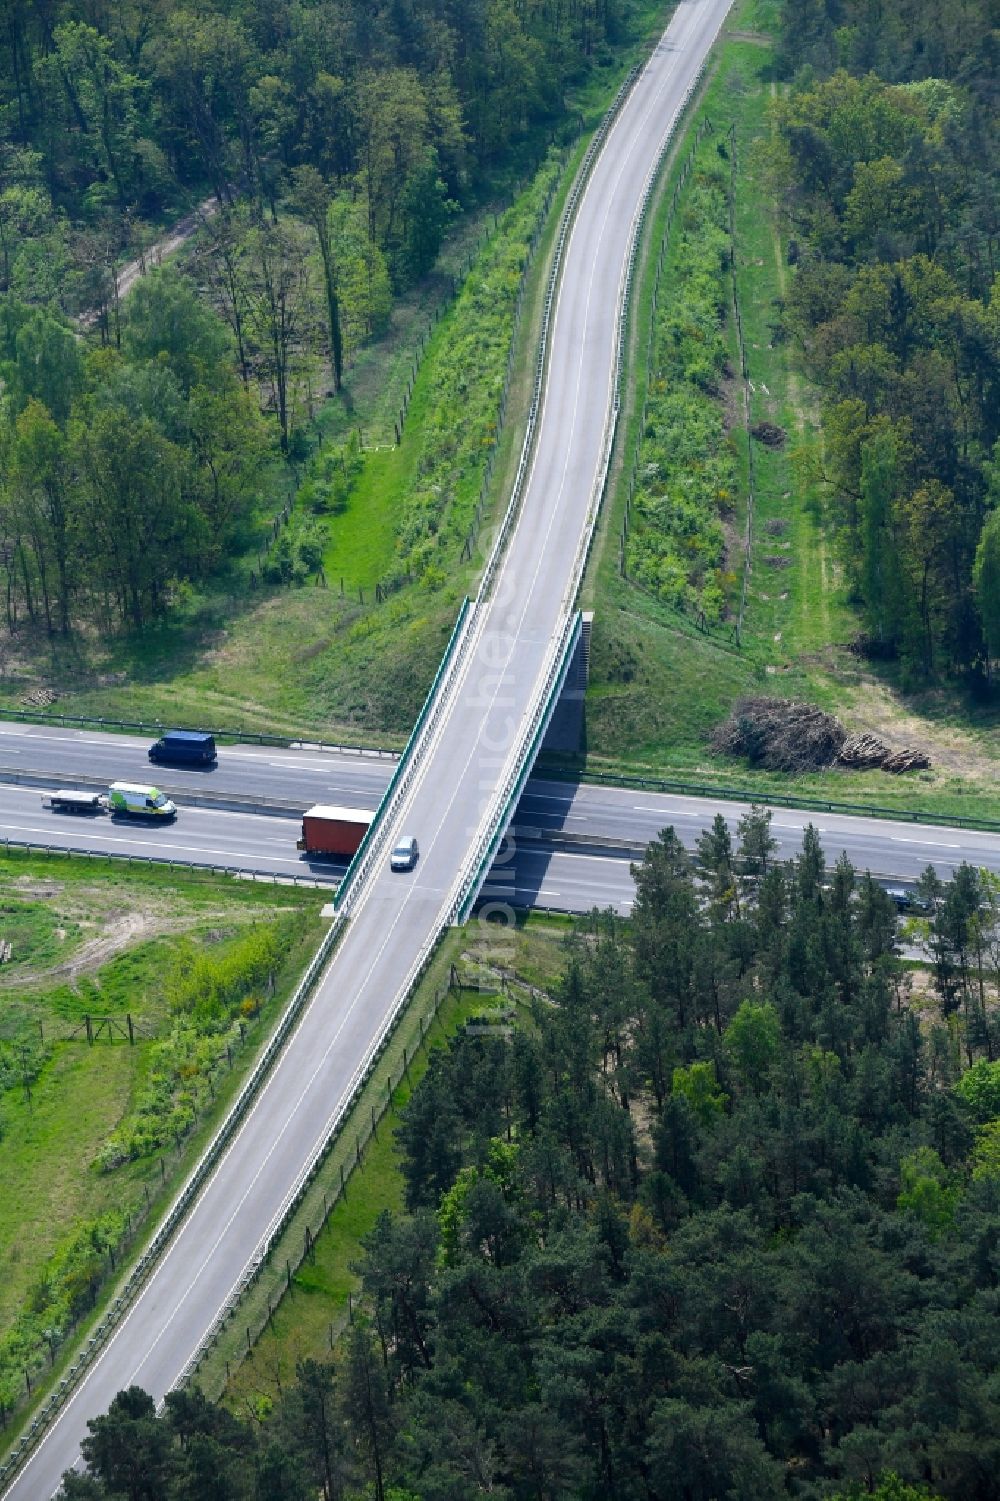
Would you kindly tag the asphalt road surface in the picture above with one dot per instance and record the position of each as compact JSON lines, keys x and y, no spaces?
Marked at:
{"x":476,"y":733}
{"x":892,"y":848}
{"x":546,"y":874}
{"x":246,"y":770}
{"x":889,"y":848}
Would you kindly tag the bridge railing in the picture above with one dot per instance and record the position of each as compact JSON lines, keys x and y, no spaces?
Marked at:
{"x":518,"y":769}
{"x":559,"y":660}
{"x":430,"y":714}
{"x":372,"y":846}
{"x":297,"y":1192}
{"x":481,"y":857}
{"x":570,"y":207}
{"x":626,"y":289}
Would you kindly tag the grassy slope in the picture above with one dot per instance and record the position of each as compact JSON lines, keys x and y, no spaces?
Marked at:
{"x":49,"y":1183}
{"x":659,"y":685}
{"x":306,"y":659}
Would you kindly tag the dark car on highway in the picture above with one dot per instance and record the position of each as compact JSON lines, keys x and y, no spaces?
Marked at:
{"x":185,"y":748}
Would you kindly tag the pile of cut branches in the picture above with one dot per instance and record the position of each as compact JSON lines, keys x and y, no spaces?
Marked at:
{"x":782,"y":734}
{"x":770,"y":434}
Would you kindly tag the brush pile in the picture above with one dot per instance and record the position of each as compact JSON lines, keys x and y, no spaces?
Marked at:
{"x":769,"y":433}
{"x":781,"y":734}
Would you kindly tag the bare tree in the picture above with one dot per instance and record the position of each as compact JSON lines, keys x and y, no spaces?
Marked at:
{"x":283,"y":313}
{"x":224,"y":267}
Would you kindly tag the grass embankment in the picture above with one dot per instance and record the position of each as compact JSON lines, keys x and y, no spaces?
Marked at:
{"x":659,"y":683}
{"x":311,"y":1310}
{"x":96,"y":1137}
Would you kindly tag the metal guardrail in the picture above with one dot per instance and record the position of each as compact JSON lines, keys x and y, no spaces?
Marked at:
{"x":473,"y":872}
{"x":481,"y":857}
{"x":464,"y":627}
{"x":555,"y":839}
{"x":156,"y":728}
{"x":286,"y":1213}
{"x":147,"y":1262}
{"x":477,"y":863}
{"x":565,"y":224}
{"x":456,"y":650}
{"x":424,"y":958}
{"x":236,"y":802}
{"x":771,"y":799}
{"x":238,"y":872}
{"x":625,"y":293}
{"x":475,"y":868}
{"x":371,"y":844}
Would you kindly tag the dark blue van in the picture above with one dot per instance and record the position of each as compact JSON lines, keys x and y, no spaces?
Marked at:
{"x":185,"y":748}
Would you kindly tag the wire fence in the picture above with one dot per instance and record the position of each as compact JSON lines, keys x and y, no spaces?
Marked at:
{"x":675,"y":201}
{"x":371,"y":440}
{"x":149,"y":1259}
{"x":146,"y":1263}
{"x":115,"y":1253}
{"x":745,"y":389}
{"x":472,"y":536}
{"x":112,"y":1249}
{"x":366,"y":1071}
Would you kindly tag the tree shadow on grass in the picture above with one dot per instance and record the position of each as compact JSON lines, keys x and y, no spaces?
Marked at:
{"x":970,"y":702}
{"x":86,"y":661}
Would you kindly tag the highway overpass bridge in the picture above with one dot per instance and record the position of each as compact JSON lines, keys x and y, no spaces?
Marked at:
{"x":473,"y":748}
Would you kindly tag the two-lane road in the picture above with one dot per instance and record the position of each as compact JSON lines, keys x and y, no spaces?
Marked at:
{"x":245,"y":770}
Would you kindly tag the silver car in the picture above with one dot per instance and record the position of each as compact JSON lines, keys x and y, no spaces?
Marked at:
{"x":404,"y":856}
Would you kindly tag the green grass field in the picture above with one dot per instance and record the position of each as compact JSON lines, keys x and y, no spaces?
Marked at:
{"x":96,"y":941}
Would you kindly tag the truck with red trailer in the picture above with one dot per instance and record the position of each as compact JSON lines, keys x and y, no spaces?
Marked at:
{"x":334,"y":832}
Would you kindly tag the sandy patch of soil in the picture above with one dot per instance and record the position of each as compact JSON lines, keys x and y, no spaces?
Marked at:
{"x":114,"y":929}
{"x":115,"y":934}
{"x":951,"y":748}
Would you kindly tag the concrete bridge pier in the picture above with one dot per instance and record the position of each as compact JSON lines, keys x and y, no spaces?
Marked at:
{"x":567,"y":731}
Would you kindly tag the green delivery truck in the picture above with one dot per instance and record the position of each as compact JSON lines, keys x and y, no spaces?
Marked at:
{"x":128,"y":800}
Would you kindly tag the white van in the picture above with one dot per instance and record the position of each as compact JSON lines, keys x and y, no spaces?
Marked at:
{"x":404,"y":856}
{"x":132,"y":801}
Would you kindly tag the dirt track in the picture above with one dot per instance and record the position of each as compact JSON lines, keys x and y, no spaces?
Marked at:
{"x":154,"y":255}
